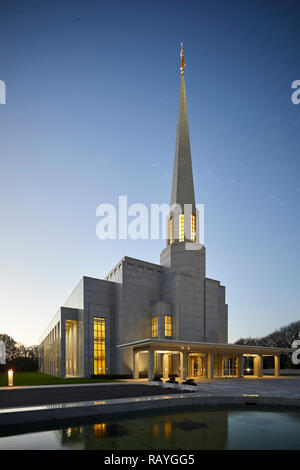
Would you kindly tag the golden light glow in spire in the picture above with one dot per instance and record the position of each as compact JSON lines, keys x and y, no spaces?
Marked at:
{"x":183,"y":64}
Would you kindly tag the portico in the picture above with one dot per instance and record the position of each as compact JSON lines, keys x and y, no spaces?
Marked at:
{"x":198,"y":359}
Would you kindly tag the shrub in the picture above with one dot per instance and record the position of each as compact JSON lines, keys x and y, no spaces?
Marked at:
{"x":172,"y":380}
{"x":189,"y":382}
{"x":157,"y":378}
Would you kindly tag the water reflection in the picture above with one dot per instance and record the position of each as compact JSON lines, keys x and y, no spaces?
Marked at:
{"x":215,"y":429}
{"x":99,"y":430}
{"x":190,"y":425}
{"x":193,"y":430}
{"x":167,"y":430}
{"x":90,"y":432}
{"x":155,"y":430}
{"x":72,"y":432}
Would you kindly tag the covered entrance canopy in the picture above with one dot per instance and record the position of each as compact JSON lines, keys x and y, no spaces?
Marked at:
{"x":198,"y":359}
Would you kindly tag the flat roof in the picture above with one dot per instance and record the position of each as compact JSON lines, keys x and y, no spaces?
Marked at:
{"x":203,"y":347}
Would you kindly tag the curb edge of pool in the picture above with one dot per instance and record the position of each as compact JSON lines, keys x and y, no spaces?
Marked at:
{"x":56,"y":412}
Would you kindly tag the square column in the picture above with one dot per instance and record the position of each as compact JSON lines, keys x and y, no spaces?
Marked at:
{"x":183,"y":364}
{"x":136,"y":364}
{"x":240,"y":371}
{"x":63,"y":349}
{"x":258,"y":365}
{"x":198,"y":368}
{"x":210,"y":365}
{"x":276,"y":365}
{"x":150,"y":364}
{"x":192,"y":364}
{"x":165,"y":365}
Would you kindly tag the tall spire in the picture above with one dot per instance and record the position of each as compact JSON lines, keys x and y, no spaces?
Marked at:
{"x":183,"y":184}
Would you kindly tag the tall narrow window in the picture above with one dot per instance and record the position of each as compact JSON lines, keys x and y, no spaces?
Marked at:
{"x":71,"y":342}
{"x":171,"y":230}
{"x":168,"y":325}
{"x":99,"y":346}
{"x":193,"y":228}
{"x":154,"y":327}
{"x":181,"y":227}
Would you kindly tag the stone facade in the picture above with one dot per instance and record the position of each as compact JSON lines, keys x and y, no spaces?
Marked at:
{"x":132,"y":293}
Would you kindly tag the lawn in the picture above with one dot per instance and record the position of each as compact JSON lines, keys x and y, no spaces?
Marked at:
{"x":35,"y":378}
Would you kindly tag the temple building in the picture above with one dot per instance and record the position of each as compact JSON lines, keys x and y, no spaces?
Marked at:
{"x":148,"y":319}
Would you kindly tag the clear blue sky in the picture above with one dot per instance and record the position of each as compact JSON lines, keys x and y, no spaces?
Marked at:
{"x":92,"y":97}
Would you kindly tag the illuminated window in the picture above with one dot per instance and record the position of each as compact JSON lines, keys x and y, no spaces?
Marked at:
{"x":168,"y":325}
{"x":99,"y":346}
{"x":71,"y":346}
{"x":181,"y":227}
{"x":193,"y":228}
{"x":171,"y":230}
{"x":154,"y":327}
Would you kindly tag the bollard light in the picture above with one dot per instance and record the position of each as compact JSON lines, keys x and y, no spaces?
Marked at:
{"x":10,"y":378}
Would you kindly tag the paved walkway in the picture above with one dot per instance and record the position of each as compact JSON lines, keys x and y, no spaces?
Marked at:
{"x":285,"y":387}
{"x":45,"y":396}
{"x":267,"y":386}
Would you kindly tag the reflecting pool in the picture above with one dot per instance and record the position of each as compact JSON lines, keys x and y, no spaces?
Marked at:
{"x":209,"y":429}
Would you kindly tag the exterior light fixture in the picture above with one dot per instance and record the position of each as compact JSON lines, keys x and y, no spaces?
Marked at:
{"x":10,"y":378}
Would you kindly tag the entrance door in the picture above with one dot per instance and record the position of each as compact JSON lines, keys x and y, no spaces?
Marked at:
{"x":229,"y":366}
{"x":198,"y":366}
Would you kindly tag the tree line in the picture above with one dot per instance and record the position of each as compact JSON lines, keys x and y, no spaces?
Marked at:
{"x":18,"y":356}
{"x":281,"y":338}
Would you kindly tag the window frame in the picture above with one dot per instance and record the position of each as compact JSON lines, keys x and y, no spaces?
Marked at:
{"x":181,"y":227}
{"x":99,"y":327}
{"x":171,"y":228}
{"x":154,"y":327}
{"x":193,"y":227}
{"x":168,"y":326}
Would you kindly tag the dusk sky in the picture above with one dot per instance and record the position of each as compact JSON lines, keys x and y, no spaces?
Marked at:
{"x":90,"y":114}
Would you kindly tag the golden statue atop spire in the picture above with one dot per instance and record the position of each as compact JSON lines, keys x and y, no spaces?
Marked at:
{"x":183,"y":64}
